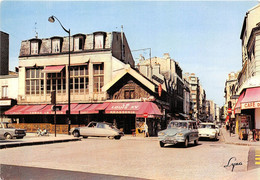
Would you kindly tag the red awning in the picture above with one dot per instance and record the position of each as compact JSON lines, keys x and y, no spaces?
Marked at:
{"x":237,"y":108}
{"x":251,"y":99}
{"x":64,"y":108}
{"x":53,"y":69}
{"x":103,"y":106}
{"x":91,"y":109}
{"x":138,"y":108}
{"x":79,"y":107}
{"x":17,"y":109}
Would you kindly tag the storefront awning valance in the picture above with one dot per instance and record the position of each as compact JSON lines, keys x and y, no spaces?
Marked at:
{"x":138,"y":108}
{"x":53,"y":69}
{"x":25,"y":109}
{"x":237,"y":108}
{"x":251,"y":99}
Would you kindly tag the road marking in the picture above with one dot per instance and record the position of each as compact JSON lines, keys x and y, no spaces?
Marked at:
{"x":257,"y":157}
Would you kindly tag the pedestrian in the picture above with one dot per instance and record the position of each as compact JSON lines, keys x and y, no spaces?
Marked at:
{"x":146,"y":133}
{"x":114,"y":123}
{"x":230,"y":127}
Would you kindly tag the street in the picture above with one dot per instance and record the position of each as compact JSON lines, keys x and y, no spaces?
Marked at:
{"x":132,"y":158}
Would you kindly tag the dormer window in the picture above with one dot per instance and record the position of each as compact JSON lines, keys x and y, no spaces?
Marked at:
{"x":79,"y":40}
{"x":35,"y":46}
{"x":99,"y":40}
{"x":56,"y":44}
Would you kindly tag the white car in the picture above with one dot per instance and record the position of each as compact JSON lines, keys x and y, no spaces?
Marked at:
{"x":97,"y":129}
{"x":208,"y":130}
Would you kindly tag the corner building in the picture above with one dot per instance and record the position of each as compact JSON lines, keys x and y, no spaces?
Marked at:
{"x":96,"y":60}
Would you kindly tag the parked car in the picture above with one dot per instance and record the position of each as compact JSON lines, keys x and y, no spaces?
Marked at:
{"x":217,"y":128}
{"x":97,"y":129}
{"x":7,"y":131}
{"x":208,"y":130}
{"x":179,"y":131}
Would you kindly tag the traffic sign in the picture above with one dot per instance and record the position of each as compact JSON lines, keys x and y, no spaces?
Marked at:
{"x":145,"y":115}
{"x":229,"y":110}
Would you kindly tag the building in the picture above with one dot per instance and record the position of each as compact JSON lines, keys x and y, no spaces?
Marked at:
{"x":104,"y":86}
{"x":4,"y":56}
{"x":211,"y":110}
{"x":230,"y":93}
{"x":202,"y":104}
{"x":167,"y":73}
{"x":195,"y":93}
{"x":247,"y":108}
{"x":8,"y":80}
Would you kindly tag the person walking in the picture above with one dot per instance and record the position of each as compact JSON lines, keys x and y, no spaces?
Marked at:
{"x":146,"y":133}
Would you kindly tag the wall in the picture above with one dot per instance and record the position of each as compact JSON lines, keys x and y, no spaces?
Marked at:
{"x":257,"y":118}
{"x":4,"y":55}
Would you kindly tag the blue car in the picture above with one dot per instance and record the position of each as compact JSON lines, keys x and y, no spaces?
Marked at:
{"x":179,"y":131}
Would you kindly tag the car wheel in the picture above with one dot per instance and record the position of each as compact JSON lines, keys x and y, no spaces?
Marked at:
{"x":161,"y":144}
{"x":196,"y":142}
{"x":117,"y":137}
{"x":85,"y":137}
{"x":216,"y":137}
{"x":186,"y":142}
{"x":75,"y":133}
{"x":8,"y":136}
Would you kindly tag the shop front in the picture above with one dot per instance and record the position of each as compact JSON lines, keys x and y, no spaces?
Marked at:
{"x":249,"y":116}
{"x":127,"y":116}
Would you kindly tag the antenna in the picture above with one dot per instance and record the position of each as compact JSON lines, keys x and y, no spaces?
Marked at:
{"x":36,"y":33}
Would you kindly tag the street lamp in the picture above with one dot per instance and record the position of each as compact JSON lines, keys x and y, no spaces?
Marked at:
{"x":52,"y":20}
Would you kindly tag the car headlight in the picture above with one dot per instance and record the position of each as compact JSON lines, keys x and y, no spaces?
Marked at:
{"x":180,"y":134}
{"x":161,"y":133}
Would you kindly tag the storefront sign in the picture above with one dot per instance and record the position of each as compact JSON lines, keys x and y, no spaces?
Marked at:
{"x":5,"y":102}
{"x":159,"y":80}
{"x":250,"y":105}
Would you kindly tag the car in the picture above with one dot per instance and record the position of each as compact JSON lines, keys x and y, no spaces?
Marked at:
{"x":179,"y":131}
{"x":208,"y":130}
{"x":97,"y":129}
{"x":7,"y":131}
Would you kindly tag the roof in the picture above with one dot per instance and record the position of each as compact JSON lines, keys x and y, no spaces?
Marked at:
{"x":128,"y":70}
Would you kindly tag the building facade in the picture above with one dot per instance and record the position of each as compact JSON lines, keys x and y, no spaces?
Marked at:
{"x":103,"y":83}
{"x":4,"y":55}
{"x":167,"y":73}
{"x":248,"y":104}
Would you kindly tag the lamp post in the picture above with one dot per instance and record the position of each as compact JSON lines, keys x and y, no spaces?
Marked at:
{"x":52,"y":20}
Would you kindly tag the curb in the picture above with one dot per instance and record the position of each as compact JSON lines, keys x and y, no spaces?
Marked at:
{"x":237,"y":143}
{"x":20,"y":144}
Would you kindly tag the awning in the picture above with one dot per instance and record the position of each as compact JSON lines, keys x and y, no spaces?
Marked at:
{"x":91,"y":109}
{"x":251,"y":99}
{"x":79,"y":108}
{"x":64,"y":108}
{"x":237,"y":108}
{"x":25,"y":109}
{"x":138,"y":108}
{"x":53,"y":69}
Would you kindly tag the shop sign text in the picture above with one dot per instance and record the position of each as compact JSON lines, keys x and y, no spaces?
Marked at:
{"x":250,"y":105}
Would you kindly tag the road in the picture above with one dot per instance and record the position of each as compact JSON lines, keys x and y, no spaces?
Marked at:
{"x":132,"y":158}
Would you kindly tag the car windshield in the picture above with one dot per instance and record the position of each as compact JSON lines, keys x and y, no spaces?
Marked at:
{"x":208,"y":126}
{"x":177,"y":125}
{"x":8,"y":125}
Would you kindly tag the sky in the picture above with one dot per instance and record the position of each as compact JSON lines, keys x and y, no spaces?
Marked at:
{"x":202,"y":36}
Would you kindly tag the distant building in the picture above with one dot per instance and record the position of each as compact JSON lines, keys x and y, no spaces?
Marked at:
{"x":4,"y":56}
{"x":195,"y":93}
{"x":168,"y":73}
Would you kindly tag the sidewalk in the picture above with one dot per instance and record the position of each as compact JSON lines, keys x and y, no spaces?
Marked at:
{"x":233,"y":139}
{"x":32,"y":139}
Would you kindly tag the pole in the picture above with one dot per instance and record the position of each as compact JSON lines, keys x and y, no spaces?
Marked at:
{"x":69,"y":89}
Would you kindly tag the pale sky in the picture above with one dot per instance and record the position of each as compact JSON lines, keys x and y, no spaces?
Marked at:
{"x":202,"y":36}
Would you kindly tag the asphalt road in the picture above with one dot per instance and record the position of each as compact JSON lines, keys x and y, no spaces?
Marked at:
{"x":99,"y":158}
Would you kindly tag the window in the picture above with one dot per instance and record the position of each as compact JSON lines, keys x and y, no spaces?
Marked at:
{"x":56,"y":82}
{"x":129,"y":94}
{"x":98,"y":77}
{"x":79,"y":80}
{"x":56,"y":45}
{"x":34,"y":48}
{"x":34,"y":81}
{"x":4,"y":92}
{"x":78,"y":43}
{"x":99,"y":41}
